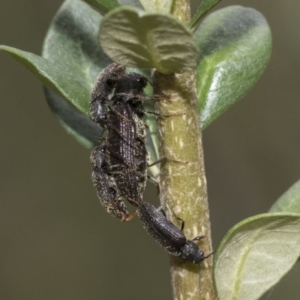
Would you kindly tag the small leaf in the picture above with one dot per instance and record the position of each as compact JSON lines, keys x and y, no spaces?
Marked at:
{"x":72,"y":61}
{"x":82,"y":128}
{"x":103,"y":6}
{"x":53,"y":77}
{"x":157,"y":5}
{"x":203,"y":7}
{"x":289,"y":201}
{"x":148,"y":40}
{"x":134,"y":3}
{"x":255,"y":254}
{"x":235,"y":44}
{"x":72,"y":44}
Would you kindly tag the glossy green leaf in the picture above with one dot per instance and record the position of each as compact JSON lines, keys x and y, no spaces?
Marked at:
{"x":203,"y":7}
{"x":72,"y":60}
{"x":289,"y":201}
{"x":235,"y":47}
{"x":72,"y":44}
{"x":157,"y":5}
{"x":148,"y":40}
{"x":255,"y":254}
{"x":53,"y":77}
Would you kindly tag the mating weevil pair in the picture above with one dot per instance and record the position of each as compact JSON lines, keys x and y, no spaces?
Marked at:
{"x":122,"y":149}
{"x":120,"y":161}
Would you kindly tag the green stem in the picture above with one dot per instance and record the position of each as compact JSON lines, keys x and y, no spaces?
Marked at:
{"x":183,"y":182}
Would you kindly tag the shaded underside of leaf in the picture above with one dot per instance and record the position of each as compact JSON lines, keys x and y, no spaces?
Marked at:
{"x":53,"y":77}
{"x":134,"y":3}
{"x":289,"y":201}
{"x":72,"y":58}
{"x":148,"y":40}
{"x":71,"y":62}
{"x":256,"y":254}
{"x":157,"y":5}
{"x":103,"y":6}
{"x":72,"y":43}
{"x":235,"y":47}
{"x":82,"y":128}
{"x":203,"y":7}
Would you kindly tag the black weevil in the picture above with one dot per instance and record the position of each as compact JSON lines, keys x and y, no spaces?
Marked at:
{"x":168,"y":235}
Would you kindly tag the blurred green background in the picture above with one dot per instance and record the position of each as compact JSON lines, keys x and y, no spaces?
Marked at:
{"x":57,"y":242}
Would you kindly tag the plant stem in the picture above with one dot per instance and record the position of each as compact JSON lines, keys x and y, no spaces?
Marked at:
{"x":183,"y":183}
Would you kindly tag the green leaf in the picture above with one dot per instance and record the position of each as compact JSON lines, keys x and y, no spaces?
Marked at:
{"x":72,"y":60}
{"x":203,"y":7}
{"x":157,"y":5}
{"x":82,"y":128}
{"x":255,"y":254}
{"x":53,"y":77}
{"x":134,"y":3}
{"x":103,"y":6}
{"x":235,"y":44}
{"x":148,"y":40}
{"x":289,"y":201}
{"x":72,"y":44}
